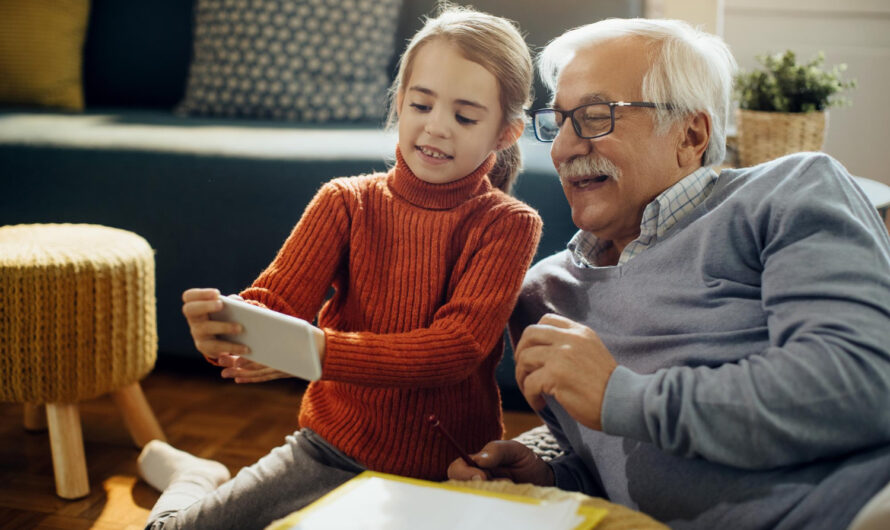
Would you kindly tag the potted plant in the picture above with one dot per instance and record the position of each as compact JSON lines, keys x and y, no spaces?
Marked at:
{"x":783,"y":106}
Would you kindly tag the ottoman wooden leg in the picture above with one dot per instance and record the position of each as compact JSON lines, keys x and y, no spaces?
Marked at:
{"x":35,"y":417}
{"x":140,"y":420}
{"x":66,"y":441}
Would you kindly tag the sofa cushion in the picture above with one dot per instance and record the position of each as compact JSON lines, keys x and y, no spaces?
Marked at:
{"x":137,"y":53}
{"x":161,"y":132}
{"x":41,"y":50}
{"x":305,"y":60}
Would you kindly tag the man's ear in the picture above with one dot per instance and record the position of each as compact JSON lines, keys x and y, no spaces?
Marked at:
{"x":694,"y":139}
{"x":511,"y":133}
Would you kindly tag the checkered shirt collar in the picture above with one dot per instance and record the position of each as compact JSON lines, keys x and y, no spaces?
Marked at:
{"x":660,"y":215}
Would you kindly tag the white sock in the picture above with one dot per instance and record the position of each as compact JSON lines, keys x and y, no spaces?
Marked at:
{"x":160,"y":464}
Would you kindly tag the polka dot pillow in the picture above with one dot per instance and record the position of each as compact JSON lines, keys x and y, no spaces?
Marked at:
{"x":296,"y":60}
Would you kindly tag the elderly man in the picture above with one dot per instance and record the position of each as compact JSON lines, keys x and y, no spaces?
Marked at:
{"x":711,"y":350}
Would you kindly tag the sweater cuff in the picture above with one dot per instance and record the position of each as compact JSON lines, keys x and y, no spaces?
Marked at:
{"x":346,"y":359}
{"x":570,"y":473}
{"x":563,"y":478}
{"x":623,"y":412}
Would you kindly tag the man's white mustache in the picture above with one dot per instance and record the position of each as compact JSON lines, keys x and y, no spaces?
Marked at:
{"x":588,"y":166}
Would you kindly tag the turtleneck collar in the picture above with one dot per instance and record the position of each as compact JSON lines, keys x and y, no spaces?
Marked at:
{"x":405,"y":184}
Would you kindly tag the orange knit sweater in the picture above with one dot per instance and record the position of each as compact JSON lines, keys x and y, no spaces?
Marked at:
{"x":425,"y":277}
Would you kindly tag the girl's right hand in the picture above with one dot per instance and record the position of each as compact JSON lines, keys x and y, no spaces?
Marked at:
{"x":197,"y":305}
{"x":243,"y":370}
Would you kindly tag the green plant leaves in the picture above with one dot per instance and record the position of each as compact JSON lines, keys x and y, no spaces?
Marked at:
{"x":782,"y":85}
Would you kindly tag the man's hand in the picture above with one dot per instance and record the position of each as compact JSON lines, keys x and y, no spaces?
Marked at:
{"x":504,"y":459}
{"x":566,"y":360}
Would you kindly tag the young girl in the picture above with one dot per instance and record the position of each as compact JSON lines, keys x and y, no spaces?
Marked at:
{"x":426,"y":262}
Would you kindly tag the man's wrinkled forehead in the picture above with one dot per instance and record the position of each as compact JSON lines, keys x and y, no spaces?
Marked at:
{"x":593,"y":97}
{"x":611,"y":70}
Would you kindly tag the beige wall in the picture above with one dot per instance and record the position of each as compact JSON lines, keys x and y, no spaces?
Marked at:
{"x":855,"y":32}
{"x":705,"y":14}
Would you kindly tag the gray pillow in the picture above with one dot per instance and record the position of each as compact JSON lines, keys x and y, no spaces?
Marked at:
{"x":296,"y":60}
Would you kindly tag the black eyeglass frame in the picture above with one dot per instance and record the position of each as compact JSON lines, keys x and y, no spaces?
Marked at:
{"x":570,"y":114}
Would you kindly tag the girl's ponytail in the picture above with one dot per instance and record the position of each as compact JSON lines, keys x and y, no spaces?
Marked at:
{"x":507,"y":166}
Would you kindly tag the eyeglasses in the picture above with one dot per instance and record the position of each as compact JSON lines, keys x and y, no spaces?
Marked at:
{"x":596,"y":119}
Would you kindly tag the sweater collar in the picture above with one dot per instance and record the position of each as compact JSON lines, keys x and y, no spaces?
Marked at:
{"x":405,"y":184}
{"x":660,"y":215}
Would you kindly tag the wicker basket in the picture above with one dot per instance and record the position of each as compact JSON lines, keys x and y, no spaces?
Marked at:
{"x":763,"y":136}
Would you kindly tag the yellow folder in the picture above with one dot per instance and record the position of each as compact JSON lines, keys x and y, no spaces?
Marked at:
{"x":374,"y":500}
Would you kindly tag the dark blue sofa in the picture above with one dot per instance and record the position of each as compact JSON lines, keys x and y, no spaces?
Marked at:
{"x":216,"y":198}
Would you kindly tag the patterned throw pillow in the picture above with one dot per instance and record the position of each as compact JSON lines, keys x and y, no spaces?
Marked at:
{"x":297,"y":60}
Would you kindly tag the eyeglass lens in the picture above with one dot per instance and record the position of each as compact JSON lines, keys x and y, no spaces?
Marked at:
{"x":546,"y":125}
{"x":589,"y":121}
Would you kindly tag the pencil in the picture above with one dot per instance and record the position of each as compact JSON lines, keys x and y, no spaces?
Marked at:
{"x":437,"y":425}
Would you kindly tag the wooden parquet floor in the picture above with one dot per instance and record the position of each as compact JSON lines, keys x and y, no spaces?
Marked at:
{"x":199,"y":413}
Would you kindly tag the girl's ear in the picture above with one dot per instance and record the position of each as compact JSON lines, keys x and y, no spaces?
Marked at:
{"x":400,"y":96}
{"x":511,"y":133}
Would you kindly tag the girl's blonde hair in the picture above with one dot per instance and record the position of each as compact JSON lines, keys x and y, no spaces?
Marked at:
{"x":492,"y":42}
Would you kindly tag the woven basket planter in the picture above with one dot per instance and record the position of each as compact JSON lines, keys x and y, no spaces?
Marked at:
{"x":763,"y":136}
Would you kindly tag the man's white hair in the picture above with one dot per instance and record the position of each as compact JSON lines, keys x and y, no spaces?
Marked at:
{"x":692,"y":70}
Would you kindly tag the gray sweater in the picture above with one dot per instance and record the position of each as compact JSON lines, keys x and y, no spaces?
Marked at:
{"x":753,"y":342}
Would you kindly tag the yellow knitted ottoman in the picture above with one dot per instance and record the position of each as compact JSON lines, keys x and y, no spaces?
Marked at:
{"x":77,"y":320}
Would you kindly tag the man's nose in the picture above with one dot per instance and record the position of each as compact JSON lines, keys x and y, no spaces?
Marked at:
{"x":568,"y":145}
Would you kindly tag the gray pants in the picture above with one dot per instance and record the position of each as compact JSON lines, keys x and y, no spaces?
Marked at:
{"x":288,"y":478}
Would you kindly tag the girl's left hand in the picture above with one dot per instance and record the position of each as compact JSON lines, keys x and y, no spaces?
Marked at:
{"x":243,"y":370}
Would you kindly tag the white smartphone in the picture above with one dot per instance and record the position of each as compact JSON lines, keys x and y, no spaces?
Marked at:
{"x":276,"y":340}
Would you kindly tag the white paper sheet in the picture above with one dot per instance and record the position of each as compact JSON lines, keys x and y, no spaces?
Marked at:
{"x":377,"y":504}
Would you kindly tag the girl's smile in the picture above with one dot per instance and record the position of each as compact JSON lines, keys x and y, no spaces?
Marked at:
{"x":432,"y":153}
{"x":450,"y":117}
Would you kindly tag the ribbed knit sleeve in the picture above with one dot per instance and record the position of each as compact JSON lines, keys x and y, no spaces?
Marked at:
{"x":464,"y":328}
{"x":423,"y":278}
{"x":297,"y":280}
